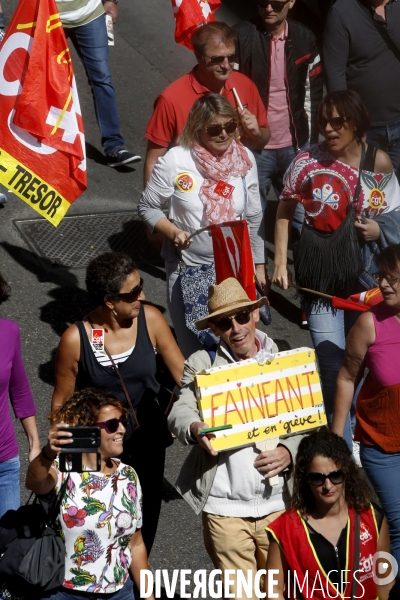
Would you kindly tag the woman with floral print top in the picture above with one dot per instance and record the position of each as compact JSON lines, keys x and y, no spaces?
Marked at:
{"x":101,"y":513}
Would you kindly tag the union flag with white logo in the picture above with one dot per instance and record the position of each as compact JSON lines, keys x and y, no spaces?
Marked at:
{"x":232,"y":254}
{"x":190,"y":14}
{"x":42,"y":142}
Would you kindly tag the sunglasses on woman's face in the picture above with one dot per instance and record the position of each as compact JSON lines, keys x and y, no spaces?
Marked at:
{"x":318,"y":479}
{"x":215,"y":130}
{"x":335,"y":122}
{"x":225,"y":323}
{"x":133,"y":294}
{"x":111,"y":426}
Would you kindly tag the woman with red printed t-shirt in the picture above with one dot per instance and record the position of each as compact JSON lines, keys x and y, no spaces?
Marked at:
{"x":210,"y":178}
{"x":351,"y":199}
{"x":323,"y":547}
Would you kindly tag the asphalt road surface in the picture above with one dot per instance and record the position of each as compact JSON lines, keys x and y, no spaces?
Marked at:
{"x":47,"y":298}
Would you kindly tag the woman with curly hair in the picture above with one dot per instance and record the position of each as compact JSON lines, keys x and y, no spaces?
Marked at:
{"x":101,"y":513}
{"x":114,"y":349}
{"x":330,"y":523}
{"x":14,"y":385}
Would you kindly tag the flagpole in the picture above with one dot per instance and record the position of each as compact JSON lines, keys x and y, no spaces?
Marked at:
{"x":208,"y":227}
{"x":198,"y":231}
{"x":303,"y":289}
{"x":240,"y":105}
{"x":337,"y":302}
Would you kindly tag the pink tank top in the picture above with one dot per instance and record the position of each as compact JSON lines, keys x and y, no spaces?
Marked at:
{"x":383,"y":356}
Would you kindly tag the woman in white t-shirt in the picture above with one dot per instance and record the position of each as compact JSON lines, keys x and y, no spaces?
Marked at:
{"x":101,"y":512}
{"x":210,"y":178}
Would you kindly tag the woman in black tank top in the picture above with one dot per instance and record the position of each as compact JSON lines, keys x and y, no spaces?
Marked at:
{"x":113,"y":348}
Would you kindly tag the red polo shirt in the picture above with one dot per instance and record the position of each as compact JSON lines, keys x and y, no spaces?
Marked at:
{"x":172,"y":107}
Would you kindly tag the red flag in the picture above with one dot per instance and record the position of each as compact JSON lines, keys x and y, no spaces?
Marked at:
{"x":42,"y":144}
{"x":368,"y":298}
{"x":232,"y":254}
{"x":348,"y":304}
{"x":190,"y":14}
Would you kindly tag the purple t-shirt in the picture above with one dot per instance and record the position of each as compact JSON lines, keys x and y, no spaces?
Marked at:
{"x":14,"y":384}
{"x":383,"y":356}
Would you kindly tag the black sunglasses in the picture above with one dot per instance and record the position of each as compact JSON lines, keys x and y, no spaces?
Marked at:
{"x":318,"y":479}
{"x":335,"y":122}
{"x":274,"y":4}
{"x":215,"y":130}
{"x":111,"y":426}
{"x":133,"y":294}
{"x":218,"y":60}
{"x":225,"y":323}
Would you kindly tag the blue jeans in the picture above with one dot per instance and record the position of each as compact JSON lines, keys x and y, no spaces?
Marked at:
{"x":329,"y":328}
{"x":91,"y":43}
{"x":125,"y":593}
{"x":387,"y":138}
{"x":9,"y":485}
{"x":272,"y":166}
{"x":383,"y":471}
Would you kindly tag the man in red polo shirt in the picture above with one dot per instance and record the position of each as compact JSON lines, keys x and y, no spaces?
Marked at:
{"x":214,"y":48}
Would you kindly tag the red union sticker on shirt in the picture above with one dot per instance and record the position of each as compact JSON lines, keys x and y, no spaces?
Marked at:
{"x":98,"y":339}
{"x":224,"y":189}
{"x":185,"y":182}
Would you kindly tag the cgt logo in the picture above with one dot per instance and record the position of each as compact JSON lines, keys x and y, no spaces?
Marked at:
{"x":384,"y":568}
{"x":185,"y":182}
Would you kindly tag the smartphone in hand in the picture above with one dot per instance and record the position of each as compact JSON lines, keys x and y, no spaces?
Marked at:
{"x":85,"y":440}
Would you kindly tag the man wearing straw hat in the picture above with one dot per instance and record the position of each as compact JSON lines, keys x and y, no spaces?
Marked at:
{"x":232,"y":488}
{"x":214,"y":48}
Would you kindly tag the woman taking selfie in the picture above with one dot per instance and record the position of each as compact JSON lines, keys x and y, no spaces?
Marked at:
{"x":351,"y":199}
{"x":210,"y":178}
{"x":331,"y":531}
{"x":100,"y":514}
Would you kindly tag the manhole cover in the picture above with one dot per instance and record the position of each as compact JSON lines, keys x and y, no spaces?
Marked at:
{"x":79,"y":239}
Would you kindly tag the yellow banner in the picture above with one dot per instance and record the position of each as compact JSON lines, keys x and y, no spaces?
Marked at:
{"x":32,"y":189}
{"x":261,"y":401}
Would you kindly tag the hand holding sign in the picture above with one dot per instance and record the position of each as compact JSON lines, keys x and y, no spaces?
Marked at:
{"x":203,"y":439}
{"x":272,"y":459}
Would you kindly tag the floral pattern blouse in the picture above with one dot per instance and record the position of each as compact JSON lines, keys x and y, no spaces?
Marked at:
{"x":98,"y":516}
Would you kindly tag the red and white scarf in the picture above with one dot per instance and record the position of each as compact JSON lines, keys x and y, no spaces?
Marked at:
{"x":235,"y":162}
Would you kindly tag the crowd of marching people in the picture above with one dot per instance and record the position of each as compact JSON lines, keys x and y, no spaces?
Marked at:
{"x":251,"y":117}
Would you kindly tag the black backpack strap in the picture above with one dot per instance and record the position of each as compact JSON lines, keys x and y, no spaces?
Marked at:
{"x":369,"y":162}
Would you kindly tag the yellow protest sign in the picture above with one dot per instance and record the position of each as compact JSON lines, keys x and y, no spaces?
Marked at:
{"x":261,"y":401}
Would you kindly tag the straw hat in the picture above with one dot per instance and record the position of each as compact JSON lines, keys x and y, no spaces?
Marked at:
{"x":226,"y":297}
